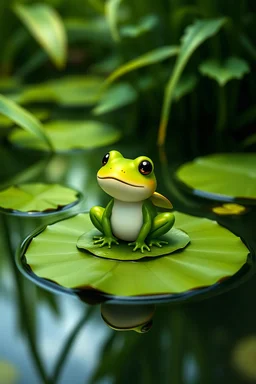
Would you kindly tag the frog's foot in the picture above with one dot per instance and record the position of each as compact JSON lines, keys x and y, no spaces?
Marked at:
{"x":98,"y":237}
{"x":157,"y":243}
{"x":139,"y":245}
{"x":105,"y":240}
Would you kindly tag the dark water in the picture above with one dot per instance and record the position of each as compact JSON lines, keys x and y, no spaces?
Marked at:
{"x":58,"y":338}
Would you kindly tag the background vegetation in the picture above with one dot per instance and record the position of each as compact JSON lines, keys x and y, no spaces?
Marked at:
{"x":185,"y":67}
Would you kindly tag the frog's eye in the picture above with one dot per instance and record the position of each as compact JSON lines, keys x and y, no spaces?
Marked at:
{"x":105,"y":159}
{"x":145,"y":167}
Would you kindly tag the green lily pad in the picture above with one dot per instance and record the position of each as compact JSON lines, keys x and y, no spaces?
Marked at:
{"x":176,"y":238}
{"x":33,"y":198}
{"x":213,"y":254}
{"x":67,"y":135}
{"x":226,"y":176}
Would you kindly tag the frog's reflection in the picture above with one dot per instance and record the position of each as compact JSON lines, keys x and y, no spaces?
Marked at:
{"x":136,"y":318}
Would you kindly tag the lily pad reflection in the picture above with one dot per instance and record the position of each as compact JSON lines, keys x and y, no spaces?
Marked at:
{"x":221,"y":176}
{"x":54,"y":262}
{"x":37,"y":198}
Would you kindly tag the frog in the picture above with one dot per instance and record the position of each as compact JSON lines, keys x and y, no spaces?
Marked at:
{"x":131,"y":215}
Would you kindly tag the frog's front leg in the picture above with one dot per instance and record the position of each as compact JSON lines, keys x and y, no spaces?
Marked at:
{"x":162,"y":223}
{"x":100,"y":218}
{"x":145,"y":230}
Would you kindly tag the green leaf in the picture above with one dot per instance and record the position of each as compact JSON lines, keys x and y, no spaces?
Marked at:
{"x":67,"y":91}
{"x":47,"y":28}
{"x":222,"y":176}
{"x":68,"y":135}
{"x":111,"y":11}
{"x":231,"y":68}
{"x":24,"y":119}
{"x":149,"y":58}
{"x":176,"y":239}
{"x":213,"y":254}
{"x":145,"y":25}
{"x":115,"y":97}
{"x":37,"y":197}
{"x":193,"y":37}
{"x":186,"y":84}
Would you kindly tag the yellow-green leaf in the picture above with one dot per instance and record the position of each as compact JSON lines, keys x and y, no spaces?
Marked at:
{"x":213,"y":254}
{"x":47,"y":28}
{"x":111,"y":10}
{"x":148,"y":58}
{"x":24,"y":119}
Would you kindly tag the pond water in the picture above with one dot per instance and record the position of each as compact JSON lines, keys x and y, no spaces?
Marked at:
{"x":58,"y":338}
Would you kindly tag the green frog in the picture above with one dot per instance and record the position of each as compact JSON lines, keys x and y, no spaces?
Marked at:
{"x":131,"y":214}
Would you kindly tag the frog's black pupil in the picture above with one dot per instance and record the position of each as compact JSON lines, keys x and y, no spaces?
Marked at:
{"x":105,"y":159}
{"x":145,"y":167}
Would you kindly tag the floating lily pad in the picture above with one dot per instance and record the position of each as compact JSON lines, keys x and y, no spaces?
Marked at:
{"x":54,"y":262}
{"x":221,"y":176}
{"x":176,"y":239}
{"x":35,"y":198}
{"x":68,"y":135}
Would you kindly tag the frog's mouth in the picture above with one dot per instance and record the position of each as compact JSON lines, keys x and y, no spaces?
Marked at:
{"x":121,"y":181}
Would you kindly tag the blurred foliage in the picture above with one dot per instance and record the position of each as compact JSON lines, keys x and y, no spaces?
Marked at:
{"x":60,"y":53}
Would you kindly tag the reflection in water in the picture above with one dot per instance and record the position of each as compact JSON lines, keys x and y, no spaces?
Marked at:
{"x":136,"y":318}
{"x":189,"y":344}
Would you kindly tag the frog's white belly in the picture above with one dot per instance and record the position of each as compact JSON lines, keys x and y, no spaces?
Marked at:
{"x":126,"y":219}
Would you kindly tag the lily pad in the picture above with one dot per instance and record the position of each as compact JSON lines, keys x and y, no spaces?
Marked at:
{"x":68,"y":135}
{"x":55,"y":263}
{"x":176,"y":239}
{"x":221,"y":176}
{"x":35,"y":198}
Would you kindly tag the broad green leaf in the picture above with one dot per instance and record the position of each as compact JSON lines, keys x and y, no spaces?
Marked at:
{"x":176,"y":239}
{"x":231,"y":68}
{"x":222,"y":176}
{"x":111,"y":11}
{"x":8,"y":373}
{"x":186,"y":84}
{"x":47,"y":28}
{"x":36,"y":197}
{"x":213,"y":254}
{"x":76,"y":90}
{"x":25,"y":120}
{"x":145,"y":25}
{"x":115,"y":97}
{"x":68,"y":135}
{"x":194,"y":36}
{"x":149,"y":58}
{"x":67,"y":91}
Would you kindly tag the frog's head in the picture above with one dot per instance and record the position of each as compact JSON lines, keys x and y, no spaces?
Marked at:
{"x":126,"y":179}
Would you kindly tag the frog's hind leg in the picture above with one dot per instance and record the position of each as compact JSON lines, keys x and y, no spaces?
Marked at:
{"x":96,"y":217}
{"x":162,"y":223}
